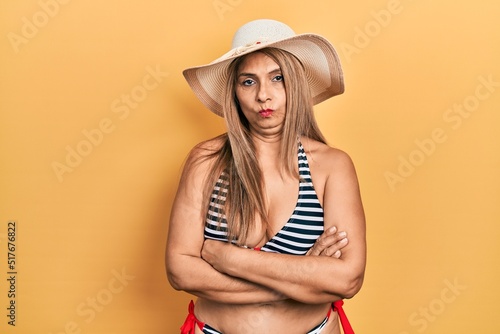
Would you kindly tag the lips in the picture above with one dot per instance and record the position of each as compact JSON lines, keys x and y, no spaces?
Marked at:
{"x":266,"y":112}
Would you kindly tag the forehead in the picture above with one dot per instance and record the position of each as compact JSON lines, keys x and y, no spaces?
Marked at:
{"x":257,"y":62}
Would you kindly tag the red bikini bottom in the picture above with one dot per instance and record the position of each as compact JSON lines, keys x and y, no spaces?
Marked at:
{"x":191,"y":320}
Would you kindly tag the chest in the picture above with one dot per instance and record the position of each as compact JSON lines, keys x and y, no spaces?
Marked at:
{"x":293,"y":210}
{"x":281,"y":198}
{"x":295,"y":216}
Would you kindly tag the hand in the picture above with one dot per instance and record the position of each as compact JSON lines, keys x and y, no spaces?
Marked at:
{"x":329,"y":243}
{"x":215,"y":252}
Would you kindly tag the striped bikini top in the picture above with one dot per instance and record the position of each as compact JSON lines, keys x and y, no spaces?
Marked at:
{"x":301,"y":230}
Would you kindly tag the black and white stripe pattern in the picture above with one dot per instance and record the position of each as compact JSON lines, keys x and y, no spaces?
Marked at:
{"x":210,"y":330}
{"x":215,"y":223}
{"x":298,"y":234}
{"x":316,"y":330}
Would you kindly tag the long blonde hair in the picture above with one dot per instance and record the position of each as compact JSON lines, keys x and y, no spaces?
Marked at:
{"x":236,"y":157}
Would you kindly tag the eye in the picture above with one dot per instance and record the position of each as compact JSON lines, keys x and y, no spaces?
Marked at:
{"x":247,"y":82}
{"x":278,"y":78}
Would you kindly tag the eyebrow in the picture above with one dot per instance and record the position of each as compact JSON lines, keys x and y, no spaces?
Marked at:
{"x":246,"y":74}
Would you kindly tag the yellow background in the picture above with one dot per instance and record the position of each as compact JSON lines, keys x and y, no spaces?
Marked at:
{"x":91,"y":238}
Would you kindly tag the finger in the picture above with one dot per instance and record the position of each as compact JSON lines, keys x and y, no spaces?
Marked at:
{"x":325,"y":240}
{"x":316,"y":249}
{"x":333,"y":249}
{"x":328,"y":243}
{"x":319,"y":246}
{"x":313,"y":250}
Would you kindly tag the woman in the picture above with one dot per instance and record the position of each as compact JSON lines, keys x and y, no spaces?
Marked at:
{"x":259,"y":225}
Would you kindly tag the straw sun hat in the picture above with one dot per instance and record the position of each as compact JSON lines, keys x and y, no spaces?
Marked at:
{"x":321,"y":63}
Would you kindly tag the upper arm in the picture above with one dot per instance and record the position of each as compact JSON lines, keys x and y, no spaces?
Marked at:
{"x":185,"y":234}
{"x":343,"y":208}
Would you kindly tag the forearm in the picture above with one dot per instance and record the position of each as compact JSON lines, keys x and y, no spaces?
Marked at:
{"x":308,"y":279}
{"x":197,"y":277}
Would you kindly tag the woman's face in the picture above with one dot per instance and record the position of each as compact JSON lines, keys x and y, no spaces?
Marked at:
{"x":261,"y":94}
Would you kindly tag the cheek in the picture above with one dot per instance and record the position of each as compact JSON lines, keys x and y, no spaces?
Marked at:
{"x":243,"y":97}
{"x":282,"y":97}
{"x":280,"y":92}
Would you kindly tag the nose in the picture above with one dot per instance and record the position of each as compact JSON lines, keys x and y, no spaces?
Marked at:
{"x":264,"y":93}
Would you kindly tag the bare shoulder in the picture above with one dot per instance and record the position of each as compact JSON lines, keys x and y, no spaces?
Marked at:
{"x":204,"y":152}
{"x":202,"y":156}
{"x":328,"y":160}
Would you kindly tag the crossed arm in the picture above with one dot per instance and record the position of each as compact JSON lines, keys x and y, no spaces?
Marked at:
{"x":333,"y":269}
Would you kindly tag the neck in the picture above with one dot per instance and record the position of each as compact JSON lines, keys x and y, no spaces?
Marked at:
{"x":267,"y":145}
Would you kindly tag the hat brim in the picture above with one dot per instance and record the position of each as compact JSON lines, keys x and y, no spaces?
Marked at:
{"x":320,"y":60}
